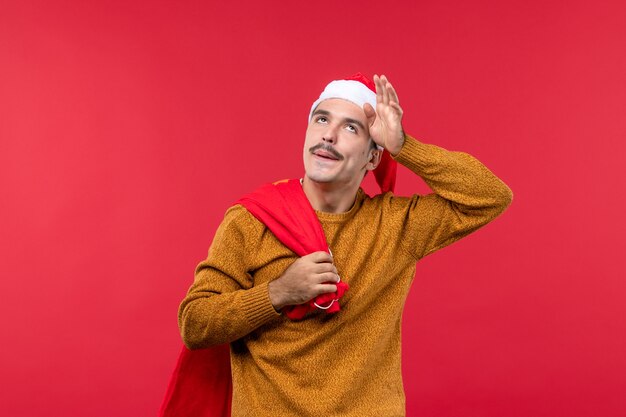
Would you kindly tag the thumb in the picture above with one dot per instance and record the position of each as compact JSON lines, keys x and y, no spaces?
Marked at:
{"x":370,"y":113}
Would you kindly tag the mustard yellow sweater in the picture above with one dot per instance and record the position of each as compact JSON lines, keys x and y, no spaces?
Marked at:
{"x":347,"y":364}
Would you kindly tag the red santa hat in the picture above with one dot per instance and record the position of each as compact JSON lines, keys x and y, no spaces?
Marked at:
{"x":359,"y":90}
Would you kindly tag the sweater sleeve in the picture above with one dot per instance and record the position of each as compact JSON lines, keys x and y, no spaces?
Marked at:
{"x":467,"y":196}
{"x":223,"y":304}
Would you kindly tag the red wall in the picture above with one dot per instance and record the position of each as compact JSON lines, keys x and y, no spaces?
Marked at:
{"x":127,"y":128}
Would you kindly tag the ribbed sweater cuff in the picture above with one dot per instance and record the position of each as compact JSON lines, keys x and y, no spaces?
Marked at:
{"x":257,"y":305}
{"x":414,"y":154}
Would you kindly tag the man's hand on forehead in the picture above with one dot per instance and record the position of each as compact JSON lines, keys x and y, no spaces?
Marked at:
{"x":386,"y":121}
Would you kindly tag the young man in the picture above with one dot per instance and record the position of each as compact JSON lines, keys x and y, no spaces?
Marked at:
{"x":346,"y":363}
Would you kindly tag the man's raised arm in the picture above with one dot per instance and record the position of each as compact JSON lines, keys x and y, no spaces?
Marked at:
{"x":467,"y":195}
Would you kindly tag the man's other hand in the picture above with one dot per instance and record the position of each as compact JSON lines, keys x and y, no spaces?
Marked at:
{"x":305,"y":279}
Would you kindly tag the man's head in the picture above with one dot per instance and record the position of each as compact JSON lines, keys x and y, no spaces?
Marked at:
{"x":338,"y":148}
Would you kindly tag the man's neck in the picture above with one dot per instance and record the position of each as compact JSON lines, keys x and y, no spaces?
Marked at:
{"x":330,"y":198}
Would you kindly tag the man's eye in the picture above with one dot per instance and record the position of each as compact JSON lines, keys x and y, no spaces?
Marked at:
{"x":351,"y":128}
{"x":321,"y":119}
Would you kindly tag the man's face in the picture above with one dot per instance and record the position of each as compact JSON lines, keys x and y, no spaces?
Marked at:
{"x":337,"y":147}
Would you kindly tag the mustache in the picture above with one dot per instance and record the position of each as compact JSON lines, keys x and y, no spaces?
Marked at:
{"x":326,"y":148}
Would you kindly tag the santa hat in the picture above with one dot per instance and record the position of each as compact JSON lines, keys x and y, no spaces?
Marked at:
{"x":359,"y":90}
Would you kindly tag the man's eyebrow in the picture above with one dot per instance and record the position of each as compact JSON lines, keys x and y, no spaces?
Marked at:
{"x":346,"y":119}
{"x":354,"y":121}
{"x":320,"y":111}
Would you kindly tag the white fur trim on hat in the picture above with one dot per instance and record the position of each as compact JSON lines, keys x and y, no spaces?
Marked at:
{"x":351,"y":90}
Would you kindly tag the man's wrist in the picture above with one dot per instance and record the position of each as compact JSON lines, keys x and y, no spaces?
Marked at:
{"x":397,"y":149}
{"x":275,"y":298}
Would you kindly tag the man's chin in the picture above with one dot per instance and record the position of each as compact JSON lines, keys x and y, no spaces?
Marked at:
{"x":320,"y":179}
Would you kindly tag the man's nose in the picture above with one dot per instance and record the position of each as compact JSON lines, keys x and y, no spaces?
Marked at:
{"x":330,"y":135}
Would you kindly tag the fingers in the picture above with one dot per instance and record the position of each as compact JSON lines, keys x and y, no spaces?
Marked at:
{"x":385,"y":83}
{"x":385,"y":93}
{"x":379,"y":89}
{"x":319,"y":257}
{"x":325,"y":288}
{"x":326,"y":278}
{"x":305,"y":279}
{"x":325,"y":267}
{"x":393,"y":96}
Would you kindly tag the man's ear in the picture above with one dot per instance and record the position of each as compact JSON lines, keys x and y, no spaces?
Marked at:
{"x":375,"y":156}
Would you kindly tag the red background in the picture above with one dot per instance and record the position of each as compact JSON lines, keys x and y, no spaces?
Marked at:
{"x":127,"y":128}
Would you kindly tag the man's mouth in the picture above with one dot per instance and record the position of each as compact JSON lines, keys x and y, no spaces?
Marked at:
{"x":326,"y":152}
{"x":325,"y":155}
